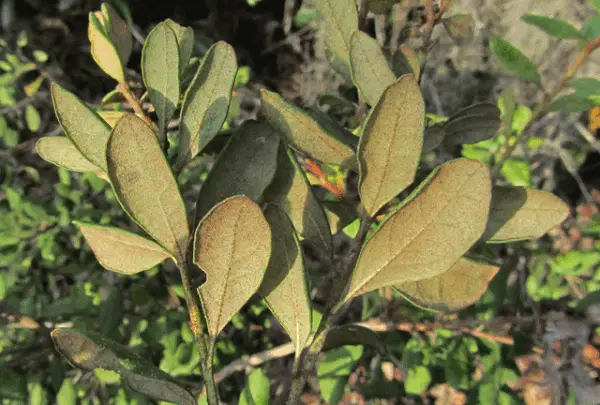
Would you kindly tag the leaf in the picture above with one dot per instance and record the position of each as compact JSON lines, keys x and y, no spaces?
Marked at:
{"x":522,"y":213}
{"x":340,"y":22}
{"x":67,"y":394}
{"x":462,"y":285}
{"x":32,"y":118}
{"x":185,"y":42}
{"x":595,"y":4}
{"x":103,"y":50}
{"x":572,"y":103}
{"x":473,"y":124}
{"x":427,"y":235}
{"x":111,"y":117}
{"x":586,"y":86}
{"x":406,"y":61}
{"x":161,"y":73}
{"x":417,"y":380}
{"x":13,"y":385}
{"x":257,"y":390}
{"x":332,"y":389}
{"x":553,"y":26}
{"x":121,"y":251}
{"x":390,"y":144}
{"x":303,"y":132}
{"x":284,"y":286}
{"x":459,"y":26}
{"x":591,"y":29}
{"x":145,"y":186}
{"x":88,"y":132}
{"x":246,"y":166}
{"x":89,"y":350}
{"x":291,"y":191}
{"x":232,"y":245}
{"x":118,"y":32}
{"x":343,"y":335}
{"x":516,"y":172}
{"x":382,"y":6}
{"x":61,"y":152}
{"x":371,"y":73}
{"x":206,"y":102}
{"x":432,"y":138}
{"x":514,"y":60}
{"x":339,"y":362}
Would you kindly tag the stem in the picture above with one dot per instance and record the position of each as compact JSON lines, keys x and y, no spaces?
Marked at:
{"x":133,"y":101}
{"x":544,"y":107}
{"x":197,"y":324}
{"x":304,"y":366}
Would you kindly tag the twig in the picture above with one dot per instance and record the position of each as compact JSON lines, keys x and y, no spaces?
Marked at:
{"x":587,"y":135}
{"x":256,"y":360}
{"x":133,"y":101}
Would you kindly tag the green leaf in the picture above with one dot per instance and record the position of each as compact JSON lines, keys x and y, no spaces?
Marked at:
{"x":332,"y":389}
{"x":206,"y":102}
{"x":462,"y":285}
{"x":522,"y":213}
{"x":432,"y":138}
{"x":118,"y":32}
{"x":417,"y":380}
{"x":284,"y":286}
{"x":145,"y":186}
{"x":246,"y":166}
{"x":161,"y":73}
{"x":586,"y":86}
{"x":595,"y":4}
{"x":514,"y":60}
{"x":553,"y":26}
{"x":121,"y":251}
{"x":428,"y":234}
{"x":89,"y":350}
{"x":406,"y":61}
{"x":303,"y":132}
{"x":232,"y":245}
{"x":382,"y":6}
{"x":88,"y":132}
{"x":521,"y":118}
{"x":185,"y":42}
{"x":103,"y":51}
{"x":12,"y":385}
{"x":390,"y":144}
{"x":472,"y":124}
{"x":572,"y":103}
{"x":32,"y":118}
{"x":257,"y":390}
{"x":517,"y":173}
{"x":371,"y":72}
{"x":339,"y":362}
{"x":349,"y":334}
{"x":291,"y":191}
{"x":591,"y":28}
{"x":340,"y":22}
{"x":61,"y":152}
{"x":67,"y":394}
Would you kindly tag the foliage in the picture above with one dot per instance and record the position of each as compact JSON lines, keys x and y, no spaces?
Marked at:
{"x":417,"y":233}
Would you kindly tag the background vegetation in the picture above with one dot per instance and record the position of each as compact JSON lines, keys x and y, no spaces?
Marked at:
{"x":532,"y":338}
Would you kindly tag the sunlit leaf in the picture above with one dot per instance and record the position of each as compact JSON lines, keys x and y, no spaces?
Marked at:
{"x":303,"y":132}
{"x":517,"y":172}
{"x":390,"y":144}
{"x":245,"y":166}
{"x":371,"y":72}
{"x":339,"y":362}
{"x":88,"y":132}
{"x":430,"y":232}
{"x":291,"y":191}
{"x":60,"y":151}
{"x":522,"y":213}
{"x":257,"y":390}
{"x":111,"y":117}
{"x":32,"y":118}
{"x":232,"y":245}
{"x":121,"y":251}
{"x":284,"y":287}
{"x":103,"y":51}
{"x":185,"y":41}
{"x":405,"y":61}
{"x":417,"y":380}
{"x":161,"y":73}
{"x":340,"y":22}
{"x":90,"y":350}
{"x":514,"y":60}
{"x":553,"y":26}
{"x":206,"y":101}
{"x":460,"y":286}
{"x":145,"y":186}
